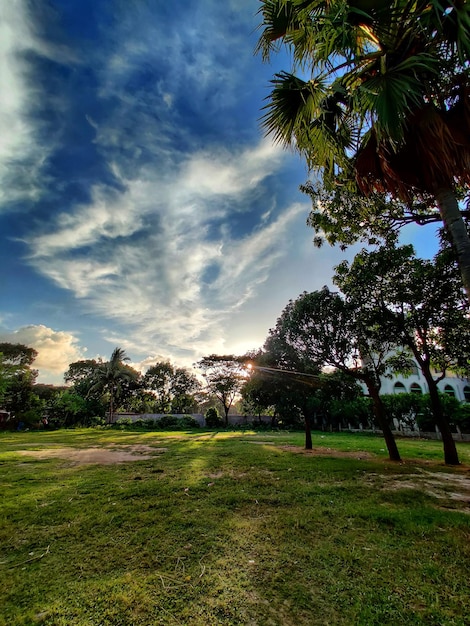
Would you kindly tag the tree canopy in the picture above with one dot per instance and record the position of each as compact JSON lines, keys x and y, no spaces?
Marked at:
{"x":113,"y":377}
{"x":17,"y":378}
{"x":172,"y":387}
{"x":377,"y":101}
{"x":322,"y":328}
{"x":419,"y":305}
{"x":224,"y":376}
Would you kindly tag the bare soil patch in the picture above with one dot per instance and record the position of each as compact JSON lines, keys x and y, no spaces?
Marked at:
{"x":101,"y":456}
{"x":440,"y":485}
{"x":445,"y":487}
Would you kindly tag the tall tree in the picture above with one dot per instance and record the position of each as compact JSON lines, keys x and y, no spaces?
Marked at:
{"x":81,"y":377}
{"x":342,"y":215}
{"x":173,"y":387}
{"x":184,"y":390}
{"x":158,"y":378}
{"x":17,"y":378}
{"x":111,"y":377}
{"x":224,"y":376}
{"x":322,"y":328}
{"x":260,"y":395}
{"x":80,"y":371}
{"x":295,"y":375}
{"x":17,"y":354}
{"x":381,"y":104}
{"x":420,"y":305}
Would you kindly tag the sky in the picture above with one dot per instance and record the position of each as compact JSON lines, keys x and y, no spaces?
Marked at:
{"x":141,"y":205}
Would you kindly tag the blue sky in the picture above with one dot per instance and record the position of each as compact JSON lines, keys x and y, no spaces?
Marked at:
{"x":140,"y":204}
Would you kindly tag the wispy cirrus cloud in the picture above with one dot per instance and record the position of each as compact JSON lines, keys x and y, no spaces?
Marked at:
{"x":23,"y":151}
{"x":19,"y":150}
{"x":149,"y":258}
{"x":160,"y":209}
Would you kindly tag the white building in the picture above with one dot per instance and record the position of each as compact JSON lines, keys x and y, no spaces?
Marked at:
{"x":452,"y":384}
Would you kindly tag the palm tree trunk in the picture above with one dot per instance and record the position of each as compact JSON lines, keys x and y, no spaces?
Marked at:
{"x":379,"y":413}
{"x":111,"y":408}
{"x":455,"y":226}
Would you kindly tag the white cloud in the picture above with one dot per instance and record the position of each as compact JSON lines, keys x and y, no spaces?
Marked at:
{"x":82,"y":276}
{"x":161,"y":257}
{"x":109,"y":216}
{"x":22,"y":153}
{"x":177,"y":284}
{"x":225,"y":173}
{"x":249,"y":262}
{"x":56,"y":349}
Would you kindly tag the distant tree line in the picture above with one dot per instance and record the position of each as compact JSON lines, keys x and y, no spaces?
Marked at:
{"x":94,"y":391}
{"x":326,"y":347}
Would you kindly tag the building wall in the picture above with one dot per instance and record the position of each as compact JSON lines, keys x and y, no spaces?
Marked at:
{"x":416,"y":383}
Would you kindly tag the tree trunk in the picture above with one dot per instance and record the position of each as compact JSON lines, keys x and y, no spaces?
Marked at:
{"x":308,"y":432}
{"x":379,"y":412}
{"x":451,"y":456}
{"x":455,"y":226}
{"x":111,"y":408}
{"x":226,"y":410}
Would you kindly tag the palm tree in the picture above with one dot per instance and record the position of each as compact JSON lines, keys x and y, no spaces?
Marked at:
{"x":382,"y":100}
{"x":109,"y":377}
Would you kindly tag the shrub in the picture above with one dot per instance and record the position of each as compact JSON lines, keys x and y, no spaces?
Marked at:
{"x":96,"y":420}
{"x":462,"y":417}
{"x":188,"y":422}
{"x":407,"y":408}
{"x":450,"y":408}
{"x":165,"y":422}
{"x":125,"y":421}
{"x":168,"y":421}
{"x":213,"y":419}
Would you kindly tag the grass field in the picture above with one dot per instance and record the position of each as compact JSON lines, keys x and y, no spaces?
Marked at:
{"x":207,"y":528}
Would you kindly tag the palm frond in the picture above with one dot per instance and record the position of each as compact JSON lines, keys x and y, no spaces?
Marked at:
{"x":279,"y":17}
{"x":293,"y":104}
{"x":451,"y":19}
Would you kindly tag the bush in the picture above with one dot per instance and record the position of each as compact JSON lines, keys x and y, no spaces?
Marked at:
{"x":450,"y":409}
{"x":96,"y":420}
{"x":168,"y":421}
{"x":188,"y":422}
{"x":213,"y":419}
{"x":407,"y":408}
{"x":462,"y":417}
{"x":124,"y":421}
{"x":163,"y":423}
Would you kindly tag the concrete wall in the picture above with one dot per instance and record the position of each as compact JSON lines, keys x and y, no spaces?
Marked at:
{"x":234,"y":420}
{"x":156,"y":416}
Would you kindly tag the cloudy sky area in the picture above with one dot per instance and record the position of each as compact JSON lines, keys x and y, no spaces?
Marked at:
{"x":140,"y":204}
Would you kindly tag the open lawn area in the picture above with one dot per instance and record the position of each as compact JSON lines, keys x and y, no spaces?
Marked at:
{"x":106,"y":527}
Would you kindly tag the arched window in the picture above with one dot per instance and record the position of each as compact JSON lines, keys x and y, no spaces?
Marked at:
{"x":414,"y":369}
{"x":449,"y":390}
{"x":399,"y":387}
{"x":466,"y":393}
{"x":415,"y":388}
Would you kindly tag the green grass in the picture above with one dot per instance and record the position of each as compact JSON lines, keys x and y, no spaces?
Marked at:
{"x":233,"y":528}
